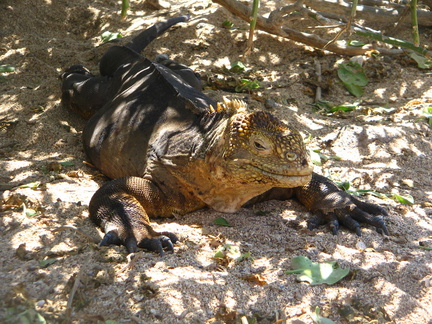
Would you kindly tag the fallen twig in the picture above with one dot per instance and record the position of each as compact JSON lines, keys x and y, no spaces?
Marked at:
{"x":73,"y":292}
{"x":347,"y":27}
{"x":277,"y":17}
{"x":319,"y":77}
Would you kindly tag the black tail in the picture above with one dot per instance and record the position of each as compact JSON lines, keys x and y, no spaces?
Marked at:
{"x":141,"y":41}
{"x":116,"y":56}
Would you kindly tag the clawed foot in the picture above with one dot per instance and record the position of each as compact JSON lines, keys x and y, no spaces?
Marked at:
{"x":164,"y":242}
{"x":76,"y":69}
{"x":352,"y":218}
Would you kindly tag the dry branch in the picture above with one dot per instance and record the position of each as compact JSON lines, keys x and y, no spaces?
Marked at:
{"x":244,"y":12}
{"x":267,"y":25}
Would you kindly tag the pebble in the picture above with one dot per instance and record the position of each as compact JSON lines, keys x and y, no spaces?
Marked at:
{"x":40,"y":303}
{"x":361,"y":246}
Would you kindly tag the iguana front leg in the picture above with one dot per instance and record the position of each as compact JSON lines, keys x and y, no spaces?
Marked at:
{"x":336,"y":207}
{"x":121,"y":208}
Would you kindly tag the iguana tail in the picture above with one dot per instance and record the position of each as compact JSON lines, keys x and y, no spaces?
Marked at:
{"x":144,"y":38}
{"x":117,"y":56}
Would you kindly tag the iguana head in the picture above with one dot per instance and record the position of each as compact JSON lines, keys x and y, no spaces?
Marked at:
{"x":261,"y":149}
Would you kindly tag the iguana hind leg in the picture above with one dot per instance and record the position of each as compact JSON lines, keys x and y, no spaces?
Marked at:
{"x":121,"y":208}
{"x":82,"y":92}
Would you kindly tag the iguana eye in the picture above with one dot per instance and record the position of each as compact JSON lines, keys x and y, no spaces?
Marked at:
{"x":259,"y":146}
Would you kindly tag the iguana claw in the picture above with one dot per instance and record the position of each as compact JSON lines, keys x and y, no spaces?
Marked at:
{"x":160,"y":244}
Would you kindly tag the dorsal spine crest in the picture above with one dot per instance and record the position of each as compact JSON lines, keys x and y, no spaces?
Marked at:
{"x":231,"y":107}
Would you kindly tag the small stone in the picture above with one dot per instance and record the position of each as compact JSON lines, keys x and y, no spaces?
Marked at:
{"x":40,"y":303}
{"x":358,"y":59}
{"x":408,"y":183}
{"x":361,"y":246}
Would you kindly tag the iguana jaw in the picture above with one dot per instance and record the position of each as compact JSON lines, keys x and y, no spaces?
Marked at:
{"x":289,"y":180}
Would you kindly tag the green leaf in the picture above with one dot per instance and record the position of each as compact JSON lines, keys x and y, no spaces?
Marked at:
{"x":427,"y":112}
{"x":422,"y":62}
{"x":30,"y":212}
{"x":362,"y":192}
{"x":343,"y":108}
{"x":237,"y":67}
{"x":46,"y":263}
{"x":345,"y":185}
{"x":246,"y":84}
{"x":331,"y":107}
{"x":109,"y":36}
{"x":354,"y":89}
{"x":425,"y":247}
{"x":353,"y":73}
{"x":228,"y":250}
{"x":317,"y":318}
{"x":29,"y":316}
{"x":231,"y":252}
{"x":67,"y":163}
{"x":315,"y":157}
{"x":245,"y":256}
{"x":323,"y":157}
{"x":228,"y":24}
{"x":6,"y":68}
{"x":219,"y":253}
{"x":317,"y":273}
{"x":407,"y":200}
{"x":355,"y":43}
{"x":222,"y":222}
{"x":353,"y":77}
{"x":31,"y":185}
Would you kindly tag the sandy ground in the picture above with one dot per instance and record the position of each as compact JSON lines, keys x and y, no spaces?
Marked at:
{"x":48,"y":268}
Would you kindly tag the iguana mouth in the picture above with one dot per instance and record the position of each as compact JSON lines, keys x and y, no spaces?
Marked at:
{"x":300,"y":172}
{"x":291,"y":178}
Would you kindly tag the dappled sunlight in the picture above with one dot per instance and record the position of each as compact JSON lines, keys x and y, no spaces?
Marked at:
{"x":270,"y":59}
{"x":384,"y":151}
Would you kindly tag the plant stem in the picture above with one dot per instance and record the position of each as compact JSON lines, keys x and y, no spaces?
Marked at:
{"x":125,"y":7}
{"x":414,"y":22}
{"x":390,"y":40}
{"x":255,"y":7}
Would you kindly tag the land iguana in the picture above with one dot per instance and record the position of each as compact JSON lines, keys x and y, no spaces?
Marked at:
{"x":170,"y":149}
